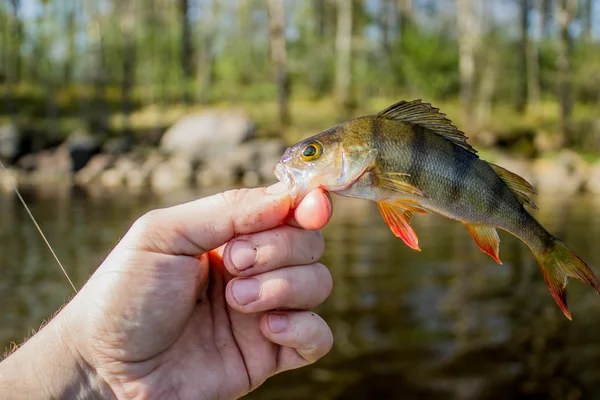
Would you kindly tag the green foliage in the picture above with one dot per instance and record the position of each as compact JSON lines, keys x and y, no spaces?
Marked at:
{"x":67,"y":61}
{"x":425,"y":62}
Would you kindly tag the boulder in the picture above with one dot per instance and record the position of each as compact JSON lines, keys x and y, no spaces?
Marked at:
{"x":94,"y":168}
{"x":565,"y":174}
{"x":48,"y":166}
{"x":593,"y":178}
{"x":140,"y":177}
{"x":206,"y":135}
{"x":82,"y":147}
{"x":10,"y":143}
{"x":174,"y":173}
{"x":251,"y":164}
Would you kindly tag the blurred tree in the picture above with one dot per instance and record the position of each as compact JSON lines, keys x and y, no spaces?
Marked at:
{"x":186,"y":49}
{"x":97,"y":112}
{"x":279,"y":58}
{"x":343,"y":44}
{"x":467,"y":34}
{"x":127,"y":11}
{"x":566,"y":10}
{"x":208,"y":30}
{"x":587,"y":16}
{"x":547,"y":16}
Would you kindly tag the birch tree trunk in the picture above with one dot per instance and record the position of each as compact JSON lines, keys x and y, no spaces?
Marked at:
{"x":587,"y":20}
{"x":128,"y":12}
{"x":97,"y":113}
{"x":565,"y":13}
{"x":533,"y":67}
{"x":343,"y":46}
{"x":466,"y":47}
{"x":206,"y":62}
{"x":186,"y":49}
{"x":279,"y":58}
{"x":522,"y":94}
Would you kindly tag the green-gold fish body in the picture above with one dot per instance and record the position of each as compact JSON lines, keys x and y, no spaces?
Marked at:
{"x":410,"y":159}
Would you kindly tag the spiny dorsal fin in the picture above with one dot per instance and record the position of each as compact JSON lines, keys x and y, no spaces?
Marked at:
{"x":519,"y":186}
{"x":425,"y":115}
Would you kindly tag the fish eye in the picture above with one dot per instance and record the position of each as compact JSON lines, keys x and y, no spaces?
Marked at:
{"x":312,"y":151}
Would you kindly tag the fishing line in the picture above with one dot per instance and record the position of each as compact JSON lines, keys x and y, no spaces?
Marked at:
{"x":12,"y":183}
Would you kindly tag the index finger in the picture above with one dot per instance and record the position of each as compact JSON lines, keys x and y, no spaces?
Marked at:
{"x":313,"y":212}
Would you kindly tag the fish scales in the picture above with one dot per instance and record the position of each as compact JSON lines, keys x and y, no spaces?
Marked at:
{"x":410,"y":159}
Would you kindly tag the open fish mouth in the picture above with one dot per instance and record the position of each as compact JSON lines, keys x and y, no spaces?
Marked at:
{"x":284,"y":176}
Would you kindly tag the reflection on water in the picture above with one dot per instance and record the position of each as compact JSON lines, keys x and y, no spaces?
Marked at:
{"x":447,"y":322}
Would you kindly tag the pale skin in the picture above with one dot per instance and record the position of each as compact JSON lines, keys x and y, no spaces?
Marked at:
{"x":204,"y":300}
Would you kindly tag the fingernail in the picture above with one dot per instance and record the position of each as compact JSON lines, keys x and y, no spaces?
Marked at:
{"x":278,"y":322}
{"x":245,"y":291}
{"x":276,"y":188}
{"x":243,"y":255}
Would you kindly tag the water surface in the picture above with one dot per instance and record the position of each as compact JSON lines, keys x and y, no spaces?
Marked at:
{"x":447,"y":322}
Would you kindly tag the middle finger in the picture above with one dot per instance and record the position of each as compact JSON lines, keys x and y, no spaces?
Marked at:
{"x":300,"y":287}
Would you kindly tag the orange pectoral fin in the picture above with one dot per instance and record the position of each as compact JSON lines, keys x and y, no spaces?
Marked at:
{"x":487,"y":239}
{"x":398,"y":220}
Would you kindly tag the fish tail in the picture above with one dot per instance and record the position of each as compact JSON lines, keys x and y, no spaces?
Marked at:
{"x":558,"y":263}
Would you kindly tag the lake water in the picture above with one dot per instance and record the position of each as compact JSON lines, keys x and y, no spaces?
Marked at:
{"x":447,"y":322}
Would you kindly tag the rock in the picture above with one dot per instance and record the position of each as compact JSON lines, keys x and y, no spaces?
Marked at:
{"x":269,"y":155}
{"x":171,"y":174}
{"x":545,"y":142}
{"x":10,"y":143}
{"x":251,"y":163}
{"x":82,"y":147}
{"x":140,"y":177}
{"x":593,"y":179}
{"x":209,"y":134}
{"x":565,"y":174}
{"x":48,"y":166}
{"x":94,"y":168}
{"x":118,"y":146}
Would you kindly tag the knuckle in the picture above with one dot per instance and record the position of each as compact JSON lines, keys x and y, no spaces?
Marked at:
{"x":318,"y":244}
{"x":319,"y":339}
{"x":324,"y":279}
{"x":233,"y":197}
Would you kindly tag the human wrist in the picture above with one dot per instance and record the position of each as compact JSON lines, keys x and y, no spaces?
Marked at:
{"x":51,"y":365}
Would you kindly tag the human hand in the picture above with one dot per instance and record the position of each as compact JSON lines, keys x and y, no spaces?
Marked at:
{"x":184,"y":305}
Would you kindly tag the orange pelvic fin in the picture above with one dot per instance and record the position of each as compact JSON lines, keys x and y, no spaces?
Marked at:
{"x":487,"y":239}
{"x":398,"y":219}
{"x":560,"y":263}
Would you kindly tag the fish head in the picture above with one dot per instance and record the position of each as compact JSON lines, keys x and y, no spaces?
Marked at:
{"x":322,"y":161}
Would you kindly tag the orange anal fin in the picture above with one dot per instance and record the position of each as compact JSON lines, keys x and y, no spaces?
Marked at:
{"x":486,"y":239}
{"x":398,"y":220}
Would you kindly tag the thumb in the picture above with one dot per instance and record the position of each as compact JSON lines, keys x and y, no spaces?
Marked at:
{"x":199,"y":226}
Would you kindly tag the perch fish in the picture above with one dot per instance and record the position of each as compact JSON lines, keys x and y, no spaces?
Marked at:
{"x":410,"y":158}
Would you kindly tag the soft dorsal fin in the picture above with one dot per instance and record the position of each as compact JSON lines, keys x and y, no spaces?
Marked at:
{"x":425,"y":115}
{"x":519,"y":186}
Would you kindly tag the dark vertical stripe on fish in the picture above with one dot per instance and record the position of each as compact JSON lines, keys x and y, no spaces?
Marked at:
{"x":498,"y":191}
{"x":461,"y":169}
{"x":418,"y":155}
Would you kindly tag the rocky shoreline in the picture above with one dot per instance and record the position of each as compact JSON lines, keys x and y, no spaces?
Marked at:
{"x":220,"y":148}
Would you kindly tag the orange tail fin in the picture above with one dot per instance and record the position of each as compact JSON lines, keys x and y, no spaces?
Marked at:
{"x":560,"y":263}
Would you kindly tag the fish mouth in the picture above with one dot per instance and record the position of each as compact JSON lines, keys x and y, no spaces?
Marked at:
{"x":284,"y":176}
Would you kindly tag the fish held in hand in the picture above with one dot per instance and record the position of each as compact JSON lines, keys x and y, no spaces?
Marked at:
{"x":410,"y":158}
